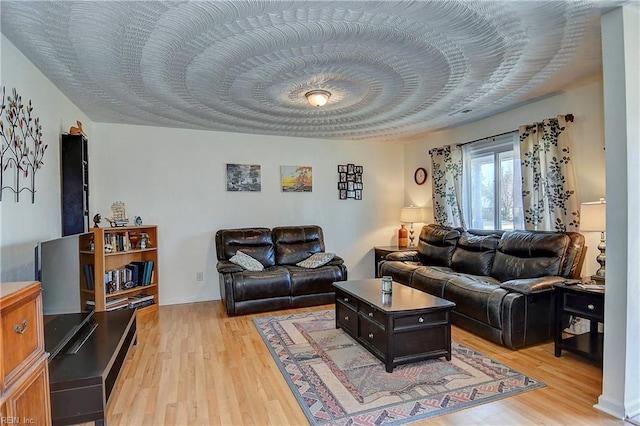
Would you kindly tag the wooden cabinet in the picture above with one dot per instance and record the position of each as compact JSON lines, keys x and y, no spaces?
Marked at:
{"x":105,"y":256}
{"x":74,"y":167}
{"x":24,"y":376}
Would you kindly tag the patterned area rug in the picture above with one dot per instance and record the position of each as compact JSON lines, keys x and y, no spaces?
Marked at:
{"x":338,"y":382}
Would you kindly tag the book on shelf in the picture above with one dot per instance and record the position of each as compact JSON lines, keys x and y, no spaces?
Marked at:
{"x":141,"y":297}
{"x":141,"y":304}
{"x":88,"y":275}
{"x":109,"y":302}
{"x":147,"y":272}
{"x":135,"y":276}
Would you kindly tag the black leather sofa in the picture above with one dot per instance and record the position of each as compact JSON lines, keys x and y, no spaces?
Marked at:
{"x":281,"y":284}
{"x":500,"y":281}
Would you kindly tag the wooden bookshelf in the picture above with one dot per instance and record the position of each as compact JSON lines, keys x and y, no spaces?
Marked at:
{"x":109,"y":251}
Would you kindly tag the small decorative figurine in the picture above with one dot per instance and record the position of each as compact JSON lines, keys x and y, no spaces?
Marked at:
{"x":96,"y":220}
{"x":144,"y":240}
{"x":76,"y":130}
{"x":118,"y":214}
{"x":138,"y":221}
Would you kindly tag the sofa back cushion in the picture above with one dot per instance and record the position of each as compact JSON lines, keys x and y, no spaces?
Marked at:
{"x":529,"y":254}
{"x":474,"y":254}
{"x":574,"y":258}
{"x":436,"y":244}
{"x":296,"y":243}
{"x":255,"y":242}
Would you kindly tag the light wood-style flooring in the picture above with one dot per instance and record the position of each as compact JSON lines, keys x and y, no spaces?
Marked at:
{"x":193,"y":365}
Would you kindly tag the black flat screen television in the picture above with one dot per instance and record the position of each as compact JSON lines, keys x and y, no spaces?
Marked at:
{"x":57,"y":267}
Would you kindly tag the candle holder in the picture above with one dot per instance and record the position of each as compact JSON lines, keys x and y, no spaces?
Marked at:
{"x":387,"y":285}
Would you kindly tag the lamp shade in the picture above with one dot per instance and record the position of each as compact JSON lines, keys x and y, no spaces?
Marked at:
{"x":593,"y":216}
{"x":411,"y":214}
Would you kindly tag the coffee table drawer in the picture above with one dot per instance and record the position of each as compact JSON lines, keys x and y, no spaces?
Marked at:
{"x":373,"y":334}
{"x":347,"y":318}
{"x":420,"y":320}
{"x":421,"y":341}
{"x":373,"y":314}
{"x":347,"y":299}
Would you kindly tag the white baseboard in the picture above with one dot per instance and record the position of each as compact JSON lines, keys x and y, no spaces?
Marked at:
{"x":610,"y":407}
{"x":181,"y":300}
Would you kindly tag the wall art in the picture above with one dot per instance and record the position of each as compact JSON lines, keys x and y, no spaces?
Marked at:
{"x":296,"y":178}
{"x":21,"y":147}
{"x":244,"y":177}
{"x":350,"y":182}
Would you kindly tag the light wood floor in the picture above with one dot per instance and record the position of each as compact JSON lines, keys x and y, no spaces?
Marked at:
{"x":195,"y":365}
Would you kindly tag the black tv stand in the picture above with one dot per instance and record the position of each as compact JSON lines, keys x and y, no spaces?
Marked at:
{"x":81,"y":382}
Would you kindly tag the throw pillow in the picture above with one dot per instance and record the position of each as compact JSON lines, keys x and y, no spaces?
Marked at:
{"x":316,"y":260}
{"x":246,"y":261}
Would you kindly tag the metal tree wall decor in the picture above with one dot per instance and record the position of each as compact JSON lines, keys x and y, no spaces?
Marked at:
{"x":22,"y":148}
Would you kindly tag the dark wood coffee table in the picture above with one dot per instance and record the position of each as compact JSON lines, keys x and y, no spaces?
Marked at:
{"x":407,"y":326}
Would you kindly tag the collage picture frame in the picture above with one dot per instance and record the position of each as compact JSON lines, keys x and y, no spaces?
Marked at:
{"x":350,"y":183}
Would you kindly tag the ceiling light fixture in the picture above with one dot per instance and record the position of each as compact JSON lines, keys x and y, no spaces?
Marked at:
{"x":318,"y":98}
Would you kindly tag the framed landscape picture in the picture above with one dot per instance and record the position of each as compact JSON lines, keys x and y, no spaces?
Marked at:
{"x":244,"y":177}
{"x":296,"y":178}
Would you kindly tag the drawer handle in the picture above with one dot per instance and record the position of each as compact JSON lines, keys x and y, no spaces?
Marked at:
{"x":346,"y":299}
{"x":371,"y":314}
{"x":346,"y":318}
{"x":370,"y":335}
{"x":591,"y":307}
{"x":420,"y":320}
{"x":20,"y":330}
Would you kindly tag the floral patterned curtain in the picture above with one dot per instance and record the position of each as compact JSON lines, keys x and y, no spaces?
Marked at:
{"x":548,"y":183}
{"x":446,"y":183}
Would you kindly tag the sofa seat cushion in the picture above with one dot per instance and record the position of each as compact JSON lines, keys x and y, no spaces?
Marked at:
{"x":431,"y":279}
{"x":270,"y":282}
{"x":477,"y":297}
{"x":317,"y":280}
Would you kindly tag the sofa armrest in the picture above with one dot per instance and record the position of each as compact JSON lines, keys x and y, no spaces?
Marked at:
{"x":226,"y":267}
{"x":404,"y":256}
{"x":529,"y":286}
{"x":337,"y":260}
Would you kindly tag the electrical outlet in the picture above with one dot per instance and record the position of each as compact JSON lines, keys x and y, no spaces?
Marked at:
{"x":199,"y":276}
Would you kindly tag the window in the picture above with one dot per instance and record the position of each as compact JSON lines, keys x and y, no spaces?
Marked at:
{"x":492,"y":183}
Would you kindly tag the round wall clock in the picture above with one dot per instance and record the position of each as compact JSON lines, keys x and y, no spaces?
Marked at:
{"x":420,"y":176}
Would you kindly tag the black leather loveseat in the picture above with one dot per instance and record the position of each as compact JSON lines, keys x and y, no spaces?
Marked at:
{"x":281,"y":284}
{"x":500,"y":281}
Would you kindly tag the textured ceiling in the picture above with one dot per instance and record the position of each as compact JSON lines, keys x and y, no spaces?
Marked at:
{"x":396,"y":69}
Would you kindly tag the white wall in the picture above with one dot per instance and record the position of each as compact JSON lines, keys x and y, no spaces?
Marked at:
{"x":587,"y":134}
{"x":621,"y":57}
{"x":175,"y":178}
{"x":23,"y":224}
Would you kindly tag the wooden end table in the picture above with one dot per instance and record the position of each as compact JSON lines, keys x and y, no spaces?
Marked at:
{"x":583,"y":303}
{"x":380,"y":253}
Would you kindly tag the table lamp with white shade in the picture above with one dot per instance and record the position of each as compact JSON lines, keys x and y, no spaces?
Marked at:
{"x":411,"y":215}
{"x":593,"y":218}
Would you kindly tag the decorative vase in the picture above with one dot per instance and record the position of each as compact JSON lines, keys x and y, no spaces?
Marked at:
{"x":403,"y":237}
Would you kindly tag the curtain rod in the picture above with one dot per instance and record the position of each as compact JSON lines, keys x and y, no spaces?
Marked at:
{"x":567,"y":117}
{"x":487,"y":138}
